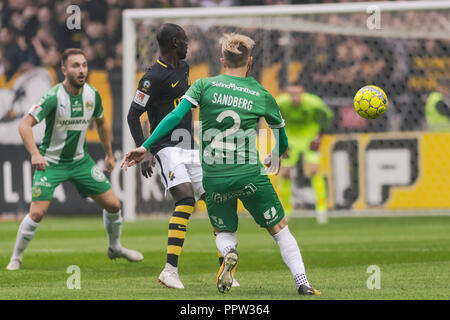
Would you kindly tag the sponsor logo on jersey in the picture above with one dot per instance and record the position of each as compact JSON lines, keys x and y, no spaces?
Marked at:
{"x":171,"y":175}
{"x":76,"y":124}
{"x":141,"y":98}
{"x":234,"y":87}
{"x":76,"y":106}
{"x":97,"y":174}
{"x":43,"y":182}
{"x":246,"y":191}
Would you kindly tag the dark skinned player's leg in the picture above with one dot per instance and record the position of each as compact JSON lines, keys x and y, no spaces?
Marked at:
{"x":183,"y":194}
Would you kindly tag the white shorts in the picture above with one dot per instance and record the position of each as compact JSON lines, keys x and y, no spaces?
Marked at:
{"x":176,"y":166}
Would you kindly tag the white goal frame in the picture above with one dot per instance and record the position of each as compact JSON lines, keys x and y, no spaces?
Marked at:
{"x":130,"y":16}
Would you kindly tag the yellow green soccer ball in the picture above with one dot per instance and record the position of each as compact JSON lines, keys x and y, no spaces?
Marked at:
{"x":370,"y":102}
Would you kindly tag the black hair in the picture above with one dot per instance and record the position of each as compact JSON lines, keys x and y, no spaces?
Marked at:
{"x":166,"y":33}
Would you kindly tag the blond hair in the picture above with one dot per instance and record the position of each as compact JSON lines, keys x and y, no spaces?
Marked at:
{"x":236,"y":49}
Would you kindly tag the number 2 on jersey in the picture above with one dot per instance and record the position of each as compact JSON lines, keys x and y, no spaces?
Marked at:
{"x":217,"y":142}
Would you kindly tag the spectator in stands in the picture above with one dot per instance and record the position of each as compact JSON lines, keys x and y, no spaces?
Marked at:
{"x":437,"y":107}
{"x":17,"y":56}
{"x":44,"y":42}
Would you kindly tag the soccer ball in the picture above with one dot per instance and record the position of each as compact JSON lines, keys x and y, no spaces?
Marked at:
{"x":370,"y":102}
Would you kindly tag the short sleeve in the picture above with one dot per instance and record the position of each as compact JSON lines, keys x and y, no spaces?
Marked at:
{"x":194,"y":93}
{"x":44,"y":107}
{"x":273,"y":115}
{"x":98,"y":111}
{"x":147,"y":88}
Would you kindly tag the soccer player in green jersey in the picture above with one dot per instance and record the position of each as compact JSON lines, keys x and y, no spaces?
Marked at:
{"x":307,"y":117}
{"x":62,"y":156}
{"x":230,"y":108}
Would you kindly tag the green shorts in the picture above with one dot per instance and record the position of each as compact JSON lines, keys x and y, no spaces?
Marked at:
{"x":256,"y":193}
{"x":84,"y":174}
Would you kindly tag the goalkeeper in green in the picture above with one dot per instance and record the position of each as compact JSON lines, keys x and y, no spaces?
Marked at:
{"x":306,"y":116}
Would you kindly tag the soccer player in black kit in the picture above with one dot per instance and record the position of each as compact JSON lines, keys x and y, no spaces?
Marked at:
{"x":178,"y":164}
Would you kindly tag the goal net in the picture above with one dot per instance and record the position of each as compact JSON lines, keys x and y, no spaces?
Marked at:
{"x":396,"y":162}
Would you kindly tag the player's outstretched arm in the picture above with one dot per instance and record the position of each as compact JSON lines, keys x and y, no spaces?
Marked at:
{"x":164,"y":127}
{"x":26,"y":125}
{"x":168,"y":123}
{"x":105,"y":134}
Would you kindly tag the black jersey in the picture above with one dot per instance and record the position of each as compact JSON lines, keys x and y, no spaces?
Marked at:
{"x":159,"y":92}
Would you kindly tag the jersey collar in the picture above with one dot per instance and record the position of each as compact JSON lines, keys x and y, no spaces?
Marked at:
{"x":161,"y":62}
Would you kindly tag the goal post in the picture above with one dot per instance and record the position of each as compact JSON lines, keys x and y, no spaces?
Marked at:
{"x":285,"y":19}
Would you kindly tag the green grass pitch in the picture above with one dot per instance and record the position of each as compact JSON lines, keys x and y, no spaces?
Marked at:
{"x":413,"y":254}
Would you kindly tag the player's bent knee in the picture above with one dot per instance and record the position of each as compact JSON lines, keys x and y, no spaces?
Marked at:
{"x":38,"y":209}
{"x":278,"y":227}
{"x":113,"y":207}
{"x":36,"y":215}
{"x":187,"y":201}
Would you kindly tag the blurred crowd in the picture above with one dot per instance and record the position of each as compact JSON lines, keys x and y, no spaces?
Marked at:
{"x":35,"y":32}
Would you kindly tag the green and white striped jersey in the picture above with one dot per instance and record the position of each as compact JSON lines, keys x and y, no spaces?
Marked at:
{"x":66,"y":121}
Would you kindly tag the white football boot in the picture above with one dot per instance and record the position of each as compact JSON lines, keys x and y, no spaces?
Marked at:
{"x":130,"y":255}
{"x":225,"y":277}
{"x":170,"y":279}
{"x":14,"y":264}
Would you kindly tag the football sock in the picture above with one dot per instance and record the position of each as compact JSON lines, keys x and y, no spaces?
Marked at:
{"x":26,"y":232}
{"x":219,"y":254}
{"x":320,"y":189}
{"x":177,"y":229}
{"x":226,"y":241}
{"x":301,"y":279}
{"x":291,"y":255}
{"x":113,"y":226}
